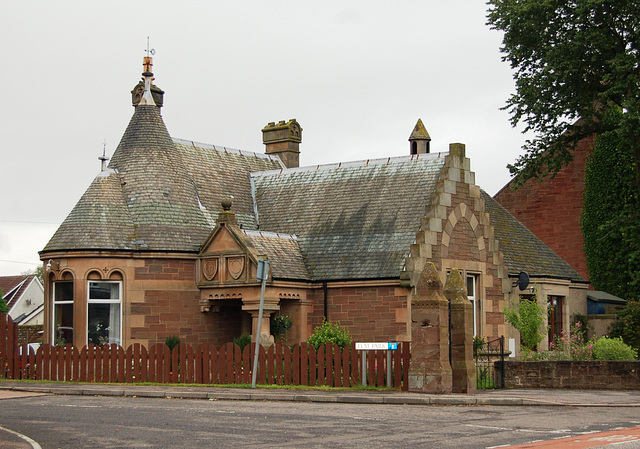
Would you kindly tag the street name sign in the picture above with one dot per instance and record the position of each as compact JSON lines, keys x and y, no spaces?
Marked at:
{"x":390,"y":346}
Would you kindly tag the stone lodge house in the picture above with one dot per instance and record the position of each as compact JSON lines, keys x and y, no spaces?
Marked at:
{"x":165,"y":241}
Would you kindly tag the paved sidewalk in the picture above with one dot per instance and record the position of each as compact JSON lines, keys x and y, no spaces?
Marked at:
{"x":575,"y":398}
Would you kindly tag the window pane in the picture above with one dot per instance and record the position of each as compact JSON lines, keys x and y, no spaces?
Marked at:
{"x":471,"y":286}
{"x":104,"y":290}
{"x":63,"y":323}
{"x":63,"y":291}
{"x":104,"y":323}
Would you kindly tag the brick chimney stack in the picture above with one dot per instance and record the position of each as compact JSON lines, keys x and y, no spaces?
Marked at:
{"x":283,"y":139}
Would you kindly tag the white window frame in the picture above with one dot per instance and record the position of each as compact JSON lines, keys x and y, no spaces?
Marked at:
{"x":475,"y":301}
{"x":55,"y":303}
{"x":118,"y":301}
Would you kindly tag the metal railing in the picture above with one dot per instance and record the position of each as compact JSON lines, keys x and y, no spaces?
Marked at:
{"x":488,"y":354}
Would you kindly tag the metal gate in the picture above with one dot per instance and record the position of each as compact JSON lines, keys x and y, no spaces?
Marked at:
{"x":488,"y":354}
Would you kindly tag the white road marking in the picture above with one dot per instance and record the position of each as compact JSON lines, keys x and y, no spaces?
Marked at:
{"x":519,"y":430}
{"x":33,"y":443}
{"x":79,"y":406}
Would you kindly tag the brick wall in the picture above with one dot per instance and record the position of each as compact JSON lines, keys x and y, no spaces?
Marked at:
{"x":172,"y":308}
{"x":466,"y":244}
{"x":30,"y":334}
{"x":166,"y":269}
{"x":370,"y":313}
{"x":600,"y":375}
{"x":551,"y":209}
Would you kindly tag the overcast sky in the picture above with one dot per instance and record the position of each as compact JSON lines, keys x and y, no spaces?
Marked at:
{"x":355,"y":74}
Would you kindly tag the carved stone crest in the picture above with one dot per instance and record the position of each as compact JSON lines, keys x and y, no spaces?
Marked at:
{"x":235,"y":265}
{"x":210,"y":268}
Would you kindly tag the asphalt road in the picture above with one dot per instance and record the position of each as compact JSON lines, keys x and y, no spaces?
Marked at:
{"x":124,"y":422}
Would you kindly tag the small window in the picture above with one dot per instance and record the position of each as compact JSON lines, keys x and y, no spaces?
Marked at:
{"x":472,"y":285}
{"x":414,"y":148}
{"x":62,"y":328}
{"x":554,"y":308}
{"x":104,"y":313}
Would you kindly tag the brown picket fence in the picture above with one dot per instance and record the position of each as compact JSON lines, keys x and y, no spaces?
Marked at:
{"x":207,"y":364}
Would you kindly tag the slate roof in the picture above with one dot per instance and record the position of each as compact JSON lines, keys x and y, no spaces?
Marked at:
{"x":159,"y":194}
{"x":353,"y":220}
{"x":283,"y":252}
{"x":13,"y":287}
{"x":522,"y":250}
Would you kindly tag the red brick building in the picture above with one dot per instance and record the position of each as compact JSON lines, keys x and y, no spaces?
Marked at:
{"x":551,"y":209}
{"x":167,"y":238}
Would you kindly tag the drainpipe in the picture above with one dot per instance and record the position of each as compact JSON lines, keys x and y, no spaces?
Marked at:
{"x":326,"y":305}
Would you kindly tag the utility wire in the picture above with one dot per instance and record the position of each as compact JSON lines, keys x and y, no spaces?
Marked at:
{"x":15,"y":261}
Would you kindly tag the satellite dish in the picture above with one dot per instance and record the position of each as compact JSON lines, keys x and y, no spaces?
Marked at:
{"x":523,"y":280}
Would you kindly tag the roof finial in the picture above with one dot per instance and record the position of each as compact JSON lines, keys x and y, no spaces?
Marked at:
{"x":103,"y":158}
{"x":147,"y":75}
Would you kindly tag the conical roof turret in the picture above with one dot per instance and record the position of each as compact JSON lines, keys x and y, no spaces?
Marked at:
{"x":419,"y":140}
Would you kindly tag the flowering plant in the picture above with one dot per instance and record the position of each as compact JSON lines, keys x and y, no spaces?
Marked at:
{"x":566,"y":346}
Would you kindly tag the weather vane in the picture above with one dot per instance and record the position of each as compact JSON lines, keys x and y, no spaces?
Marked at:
{"x":150,"y":51}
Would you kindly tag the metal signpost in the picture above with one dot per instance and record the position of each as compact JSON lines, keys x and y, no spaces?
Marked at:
{"x":263,"y":274}
{"x":364,"y":347}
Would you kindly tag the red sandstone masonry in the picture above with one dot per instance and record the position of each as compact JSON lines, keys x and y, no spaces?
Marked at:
{"x":551,"y":209}
{"x":600,"y":375}
{"x":368,"y":312}
{"x":175,"y":310}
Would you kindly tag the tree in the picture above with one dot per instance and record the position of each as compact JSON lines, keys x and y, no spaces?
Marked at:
{"x":573,"y":60}
{"x":611,"y":216}
{"x":627,"y":325}
{"x":528,"y":320}
{"x":38,"y":271}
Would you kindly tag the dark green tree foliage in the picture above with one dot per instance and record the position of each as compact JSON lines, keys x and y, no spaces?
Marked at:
{"x":570,"y":58}
{"x":611,"y":216}
{"x":627,"y":325}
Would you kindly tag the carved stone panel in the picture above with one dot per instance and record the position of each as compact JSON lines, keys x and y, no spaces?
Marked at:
{"x":235,"y":265}
{"x":210,"y":268}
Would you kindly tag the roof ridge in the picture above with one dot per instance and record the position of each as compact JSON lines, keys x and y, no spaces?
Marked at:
{"x":357,"y":163}
{"x":222,"y":148}
{"x":253,"y":233}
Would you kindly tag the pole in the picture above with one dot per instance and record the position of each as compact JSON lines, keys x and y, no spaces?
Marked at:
{"x":263,"y":273}
{"x":364,"y":368}
{"x":388,"y":368}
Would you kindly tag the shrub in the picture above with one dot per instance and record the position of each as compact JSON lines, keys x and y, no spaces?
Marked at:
{"x":280,"y":324}
{"x":606,"y":348}
{"x":627,"y":324}
{"x":172,"y":341}
{"x":242,"y":341}
{"x":478,"y":345}
{"x":527,"y":320}
{"x":330,"y":332}
{"x":570,"y":346}
{"x":580,"y":326}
